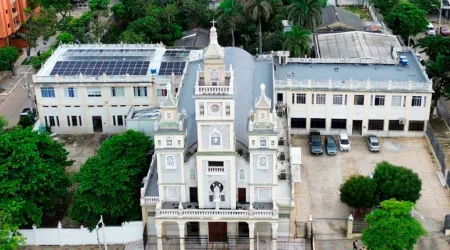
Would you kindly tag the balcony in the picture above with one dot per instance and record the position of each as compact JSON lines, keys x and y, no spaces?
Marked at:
{"x":216,"y":170}
{"x":213,"y":90}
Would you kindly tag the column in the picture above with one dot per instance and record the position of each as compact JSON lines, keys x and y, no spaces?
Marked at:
{"x":251,"y":234}
{"x":274,"y":235}
{"x":181,"y":227}
{"x":158,"y":226}
{"x":204,"y":233}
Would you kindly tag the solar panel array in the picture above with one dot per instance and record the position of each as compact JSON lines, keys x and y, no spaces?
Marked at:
{"x":167,"y":68}
{"x":97,"y":68}
{"x":176,"y":53}
{"x":110,"y":52}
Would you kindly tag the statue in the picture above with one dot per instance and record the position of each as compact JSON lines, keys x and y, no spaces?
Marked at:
{"x":216,"y":193}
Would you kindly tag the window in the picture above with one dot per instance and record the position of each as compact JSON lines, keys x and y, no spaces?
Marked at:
{"x":161,"y":92}
{"x":192,"y":175}
{"x":72,"y":121}
{"x":301,"y":98}
{"x":169,"y":142}
{"x":51,"y":121}
{"x":317,"y":123}
{"x":70,"y":92}
{"x":396,"y":101}
{"x":263,"y":193}
{"x":263,"y":142}
{"x":358,"y":100}
{"x":376,"y":124}
{"x":118,"y":120}
{"x":263,"y":162}
{"x":140,"y":91}
{"x":172,"y":193}
{"x":241,"y":174}
{"x":298,"y":122}
{"x":379,"y":100}
{"x":394,"y":125}
{"x":179,"y":142}
{"x":94,"y":92}
{"x":215,"y":139}
{"x":338,"y":99}
{"x":202,"y":109}
{"x":338,"y":123}
{"x":416,"y":101}
{"x":416,"y":125}
{"x":48,"y":92}
{"x":170,"y":162}
{"x":320,"y":99}
{"x":168,"y":115}
{"x":117,"y":91}
{"x":227,"y":110}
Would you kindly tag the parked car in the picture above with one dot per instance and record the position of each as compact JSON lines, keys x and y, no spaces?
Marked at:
{"x":430,"y":31}
{"x":444,"y":31}
{"x":344,"y":142}
{"x":27,"y":111}
{"x":330,"y":145}
{"x":315,"y":143}
{"x":373,"y":143}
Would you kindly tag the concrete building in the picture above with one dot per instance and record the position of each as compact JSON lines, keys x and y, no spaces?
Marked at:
{"x":220,"y":169}
{"x":93,"y":88}
{"x":12,"y":15}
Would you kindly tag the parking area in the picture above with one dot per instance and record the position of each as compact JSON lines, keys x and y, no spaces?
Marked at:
{"x":318,"y":194}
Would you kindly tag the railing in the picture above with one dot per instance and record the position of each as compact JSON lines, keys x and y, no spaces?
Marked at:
{"x":101,"y":78}
{"x":284,"y":202}
{"x":353,"y":85}
{"x":344,"y":60}
{"x":211,"y":213}
{"x":220,"y":170}
{"x":214,"y":90}
{"x":151,"y":199}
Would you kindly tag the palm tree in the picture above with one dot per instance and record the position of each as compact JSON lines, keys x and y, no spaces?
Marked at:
{"x":256,"y":9}
{"x":298,"y":42}
{"x":306,"y":14}
{"x":230,"y":13}
{"x":438,"y":71}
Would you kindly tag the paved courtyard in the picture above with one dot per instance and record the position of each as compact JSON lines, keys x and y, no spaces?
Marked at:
{"x":318,"y":194}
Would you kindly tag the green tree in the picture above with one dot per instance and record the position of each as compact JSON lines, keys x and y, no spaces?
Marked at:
{"x":32,"y":170}
{"x":306,"y":14}
{"x":434,"y":45}
{"x":392,"y":227}
{"x":119,"y":10}
{"x":108,"y":183}
{"x":61,"y":6}
{"x":231,"y":13}
{"x":194,"y":13}
{"x":438,"y":71}
{"x":385,"y":5}
{"x":359,"y":192}
{"x":65,"y":38}
{"x":298,"y":42}
{"x":131,"y":37}
{"x":3,"y":122}
{"x":10,"y":238}
{"x":427,"y":5}
{"x":256,"y":10}
{"x":38,"y":61}
{"x":406,"y":19}
{"x":8,"y":56}
{"x":25,"y":121}
{"x":98,"y":5}
{"x":396,"y":182}
{"x":42,"y":24}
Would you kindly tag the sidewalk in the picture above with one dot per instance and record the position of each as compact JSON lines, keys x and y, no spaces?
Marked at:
{"x":346,"y":244}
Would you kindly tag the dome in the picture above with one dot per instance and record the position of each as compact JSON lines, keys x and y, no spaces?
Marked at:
{"x":213,"y":50}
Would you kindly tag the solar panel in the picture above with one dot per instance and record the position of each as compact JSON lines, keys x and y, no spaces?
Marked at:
{"x":110,"y":52}
{"x":176,"y":53}
{"x":167,"y":68}
{"x":97,"y":68}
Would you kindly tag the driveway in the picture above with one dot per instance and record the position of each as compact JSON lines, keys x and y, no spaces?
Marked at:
{"x":322,"y":176}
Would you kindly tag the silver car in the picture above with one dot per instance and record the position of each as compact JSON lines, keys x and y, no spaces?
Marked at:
{"x":373,"y":143}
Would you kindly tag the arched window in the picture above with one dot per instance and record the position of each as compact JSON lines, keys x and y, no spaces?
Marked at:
{"x":241,"y":174}
{"x":192,"y":176}
{"x":170,"y":162}
{"x":169,"y":142}
{"x":263,"y":162}
{"x":215,"y":139}
{"x":263,"y":142}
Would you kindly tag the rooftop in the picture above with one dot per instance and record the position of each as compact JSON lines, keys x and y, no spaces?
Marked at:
{"x":198,"y":38}
{"x":319,"y":70}
{"x":356,"y":44}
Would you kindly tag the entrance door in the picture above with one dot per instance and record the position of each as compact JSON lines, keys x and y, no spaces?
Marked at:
{"x":97,"y":123}
{"x":243,"y":229}
{"x":241,"y":195}
{"x":193,"y":194}
{"x":357,"y":127}
{"x":193,"y":229}
{"x":217,"y":231}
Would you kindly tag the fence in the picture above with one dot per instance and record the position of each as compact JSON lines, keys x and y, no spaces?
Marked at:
{"x":436,"y":148}
{"x":128,"y":232}
{"x":359,"y":225}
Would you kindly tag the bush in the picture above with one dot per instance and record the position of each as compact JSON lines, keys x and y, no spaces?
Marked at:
{"x":38,"y":61}
{"x":25,"y":121}
{"x":359,"y":192}
{"x":8,"y":55}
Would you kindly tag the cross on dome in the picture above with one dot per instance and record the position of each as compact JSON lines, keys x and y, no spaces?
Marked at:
{"x":213,"y":22}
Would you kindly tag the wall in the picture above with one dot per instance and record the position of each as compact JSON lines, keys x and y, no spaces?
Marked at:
{"x":128,"y":232}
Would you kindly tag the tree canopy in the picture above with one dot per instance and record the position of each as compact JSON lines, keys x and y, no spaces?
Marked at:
{"x":306,"y":14}
{"x":406,"y":19}
{"x":10,"y":238}
{"x":8,"y":55}
{"x":385,"y":5}
{"x":32,"y":170}
{"x":392,"y":227}
{"x":359,"y":192}
{"x":397,"y":182}
{"x":108,"y":183}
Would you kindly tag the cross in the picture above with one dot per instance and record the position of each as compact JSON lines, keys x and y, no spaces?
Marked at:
{"x":213,"y":22}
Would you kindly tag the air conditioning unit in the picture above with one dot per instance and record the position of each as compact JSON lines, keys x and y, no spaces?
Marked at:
{"x":401,"y":121}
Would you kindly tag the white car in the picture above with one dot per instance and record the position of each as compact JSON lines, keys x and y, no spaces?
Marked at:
{"x":344,"y":142}
{"x":430,"y":31}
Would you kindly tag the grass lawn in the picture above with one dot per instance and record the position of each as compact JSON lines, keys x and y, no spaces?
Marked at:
{"x":361,"y":12}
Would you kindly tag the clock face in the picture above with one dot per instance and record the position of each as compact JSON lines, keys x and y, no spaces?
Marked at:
{"x":214,"y":108}
{"x":215,"y":75}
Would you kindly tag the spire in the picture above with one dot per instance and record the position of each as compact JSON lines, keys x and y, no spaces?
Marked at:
{"x":213,"y":50}
{"x":170,"y":100}
{"x":263,"y":101}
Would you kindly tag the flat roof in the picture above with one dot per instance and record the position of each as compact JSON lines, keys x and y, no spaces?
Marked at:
{"x":358,"y":72}
{"x":356,"y":44}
